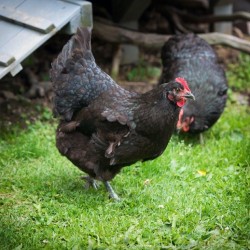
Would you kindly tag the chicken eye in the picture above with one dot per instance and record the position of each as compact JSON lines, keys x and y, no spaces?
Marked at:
{"x":178,"y":90}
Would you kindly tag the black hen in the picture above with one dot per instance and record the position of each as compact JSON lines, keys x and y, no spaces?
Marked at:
{"x":104,"y":127}
{"x":191,"y":57}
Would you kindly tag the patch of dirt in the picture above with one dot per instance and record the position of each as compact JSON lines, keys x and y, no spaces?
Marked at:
{"x":226,"y":55}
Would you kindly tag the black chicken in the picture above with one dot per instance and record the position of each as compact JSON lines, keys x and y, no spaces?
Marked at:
{"x":104,"y":127}
{"x":193,"y":58}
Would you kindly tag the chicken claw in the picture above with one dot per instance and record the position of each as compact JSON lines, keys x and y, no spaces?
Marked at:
{"x":111,"y":191}
{"x":90,"y":182}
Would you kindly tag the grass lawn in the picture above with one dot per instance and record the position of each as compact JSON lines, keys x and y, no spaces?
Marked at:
{"x":192,"y":197}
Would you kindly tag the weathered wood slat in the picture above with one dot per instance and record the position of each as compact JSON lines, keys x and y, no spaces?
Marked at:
{"x":26,"y":19}
{"x":20,"y":40}
{"x":16,"y":69}
{"x":6,"y":60}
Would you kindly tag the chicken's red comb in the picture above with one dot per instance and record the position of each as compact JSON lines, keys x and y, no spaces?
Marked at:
{"x":183,"y":82}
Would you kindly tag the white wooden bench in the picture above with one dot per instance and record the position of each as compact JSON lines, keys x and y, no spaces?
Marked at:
{"x":26,"y":24}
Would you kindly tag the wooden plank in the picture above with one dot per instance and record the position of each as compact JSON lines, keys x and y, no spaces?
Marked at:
{"x":21,"y":41}
{"x":57,"y":12}
{"x":26,"y":19}
{"x":16,"y":69}
{"x":83,"y":18}
{"x":9,"y":30}
{"x":12,"y":3}
{"x":6,"y":59}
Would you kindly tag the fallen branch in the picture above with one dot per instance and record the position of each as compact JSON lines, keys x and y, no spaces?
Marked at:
{"x":236,"y":16}
{"x":115,"y":34}
{"x":234,"y":42}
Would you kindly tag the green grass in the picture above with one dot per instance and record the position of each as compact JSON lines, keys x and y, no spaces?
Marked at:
{"x":143,"y":72}
{"x":192,"y":197}
{"x":239,"y":74}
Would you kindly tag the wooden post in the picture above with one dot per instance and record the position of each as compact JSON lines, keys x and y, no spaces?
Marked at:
{"x":127,"y":13}
{"x":223,"y":7}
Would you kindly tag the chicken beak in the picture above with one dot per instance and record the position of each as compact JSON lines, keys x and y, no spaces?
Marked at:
{"x":188,"y":95}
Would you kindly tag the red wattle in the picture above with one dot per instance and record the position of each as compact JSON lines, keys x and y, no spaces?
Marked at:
{"x":181,"y":103}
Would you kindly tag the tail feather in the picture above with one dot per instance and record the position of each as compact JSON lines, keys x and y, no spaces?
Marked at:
{"x":79,"y":44}
{"x":76,"y":78}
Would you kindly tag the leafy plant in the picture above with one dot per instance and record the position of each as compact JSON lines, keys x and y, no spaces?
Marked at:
{"x":143,"y":72}
{"x":239,"y":74}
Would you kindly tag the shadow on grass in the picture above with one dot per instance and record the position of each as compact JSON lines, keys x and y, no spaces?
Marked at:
{"x":188,"y":138}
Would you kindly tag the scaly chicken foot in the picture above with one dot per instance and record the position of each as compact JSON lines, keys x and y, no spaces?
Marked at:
{"x":111,"y":191}
{"x":90,"y":182}
{"x":202,"y":142}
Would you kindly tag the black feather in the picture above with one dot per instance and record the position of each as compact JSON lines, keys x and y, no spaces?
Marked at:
{"x":193,"y":58}
{"x":76,"y":78}
{"x":103,"y":126}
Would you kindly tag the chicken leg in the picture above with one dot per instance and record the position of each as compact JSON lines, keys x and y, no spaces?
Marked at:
{"x":90,"y":182}
{"x":202,"y":142}
{"x":111,"y":191}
